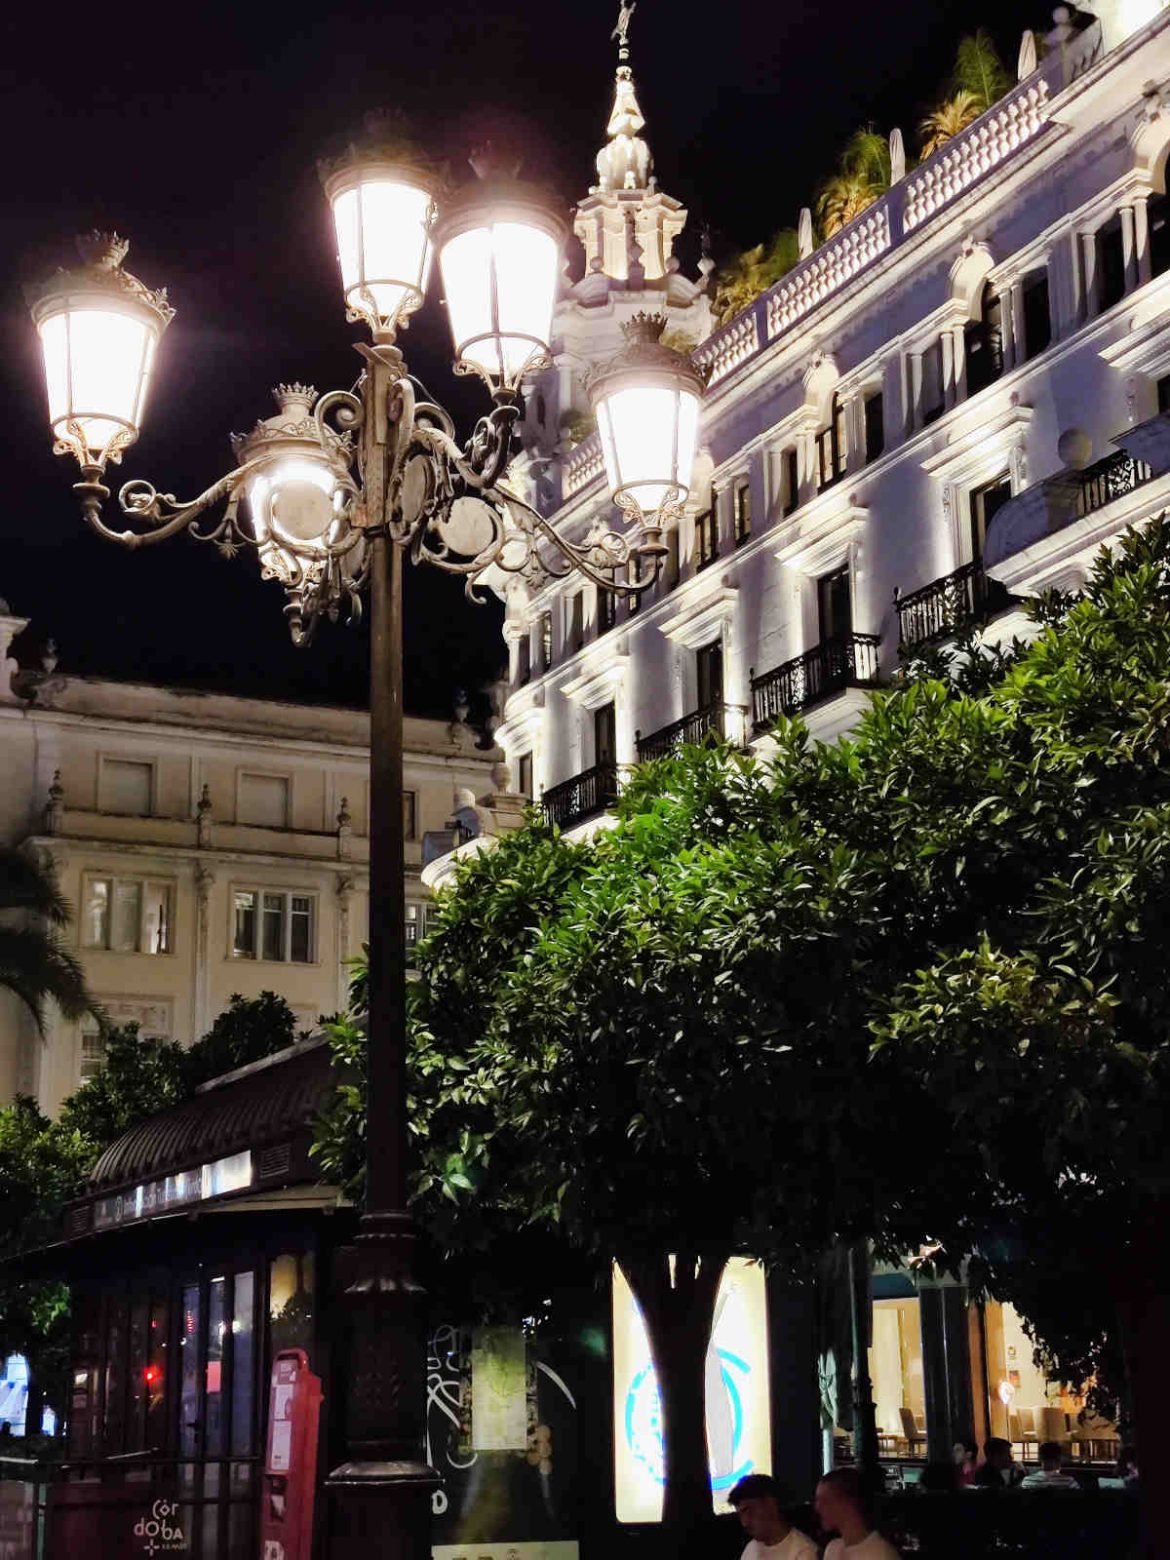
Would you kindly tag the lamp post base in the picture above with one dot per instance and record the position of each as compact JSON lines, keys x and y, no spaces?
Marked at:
{"x":380,"y":1511}
{"x":379,"y":1499}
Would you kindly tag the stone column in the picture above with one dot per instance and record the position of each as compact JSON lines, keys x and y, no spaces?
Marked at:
{"x":946,"y":1366}
{"x":916,"y":390}
{"x":1007,"y":308}
{"x":1128,"y":252}
{"x":1089,"y":262}
{"x":947,"y":343}
{"x":1015,"y":313}
{"x":1141,"y":239}
{"x":343,"y":890}
{"x":960,"y":350}
{"x":204,"y":880}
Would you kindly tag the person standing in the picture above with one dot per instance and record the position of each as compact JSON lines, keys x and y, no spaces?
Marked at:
{"x":771,"y":1536}
{"x":843,"y":1508}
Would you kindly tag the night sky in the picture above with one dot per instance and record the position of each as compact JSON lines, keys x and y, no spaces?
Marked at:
{"x":194,"y":132}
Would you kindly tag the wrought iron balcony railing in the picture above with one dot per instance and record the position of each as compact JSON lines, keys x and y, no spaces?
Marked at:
{"x":947,"y":605}
{"x":719,"y":720}
{"x":583,"y":796}
{"x":828,"y":668}
{"x":1111,"y":477}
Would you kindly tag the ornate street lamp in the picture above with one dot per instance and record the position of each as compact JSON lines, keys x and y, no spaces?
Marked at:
{"x":646,"y":401}
{"x":337,"y":490}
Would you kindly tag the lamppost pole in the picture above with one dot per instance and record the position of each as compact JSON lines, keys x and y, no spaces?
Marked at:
{"x":339,"y":491}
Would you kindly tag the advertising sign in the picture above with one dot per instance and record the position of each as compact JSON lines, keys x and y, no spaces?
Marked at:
{"x":739,"y":1431}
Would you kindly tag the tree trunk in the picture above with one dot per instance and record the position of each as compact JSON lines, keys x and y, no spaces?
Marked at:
{"x":678,"y":1313}
{"x":1143,"y":1308}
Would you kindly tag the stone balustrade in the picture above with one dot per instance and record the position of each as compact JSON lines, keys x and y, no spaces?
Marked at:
{"x":583,"y":464}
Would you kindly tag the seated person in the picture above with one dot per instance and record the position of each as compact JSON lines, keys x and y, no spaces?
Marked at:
{"x":843,"y":1508}
{"x":771,"y":1536}
{"x":1049,"y":1475}
{"x":965,"y":1456}
{"x":999,"y":1471}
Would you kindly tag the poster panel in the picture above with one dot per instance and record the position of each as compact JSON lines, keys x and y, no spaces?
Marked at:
{"x":739,"y":1429}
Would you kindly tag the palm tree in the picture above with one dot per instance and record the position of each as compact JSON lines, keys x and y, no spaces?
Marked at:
{"x":34,"y":963}
{"x":862,"y":175}
{"x":946,"y":120}
{"x":743,"y":279}
{"x":980,"y":78}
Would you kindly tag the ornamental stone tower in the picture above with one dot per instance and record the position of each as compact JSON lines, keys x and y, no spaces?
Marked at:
{"x":627,"y":228}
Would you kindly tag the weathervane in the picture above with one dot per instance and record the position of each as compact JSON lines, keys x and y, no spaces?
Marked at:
{"x":622,"y":31}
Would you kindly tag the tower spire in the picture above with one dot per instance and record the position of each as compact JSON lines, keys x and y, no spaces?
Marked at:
{"x":624,"y":163}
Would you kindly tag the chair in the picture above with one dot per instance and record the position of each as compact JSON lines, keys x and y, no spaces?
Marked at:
{"x":912,"y":1435}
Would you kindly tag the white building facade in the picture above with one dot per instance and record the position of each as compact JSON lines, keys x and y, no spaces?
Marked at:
{"x":209,"y":845}
{"x":953,"y":401}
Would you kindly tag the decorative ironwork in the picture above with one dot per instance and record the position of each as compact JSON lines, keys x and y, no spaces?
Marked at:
{"x":584,"y":796}
{"x":1107,"y":479}
{"x":808,"y":679}
{"x":946,"y":605}
{"x":692,"y":729}
{"x":446,"y":505}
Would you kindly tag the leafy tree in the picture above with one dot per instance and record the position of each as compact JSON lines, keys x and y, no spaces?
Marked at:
{"x":248,"y":1029}
{"x":137,"y":1077}
{"x":35,"y":965}
{"x":862,"y":175}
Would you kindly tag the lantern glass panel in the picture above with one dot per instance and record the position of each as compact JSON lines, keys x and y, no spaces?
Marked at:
{"x":501,"y":281}
{"x":97,"y":367}
{"x":383,"y":245}
{"x":648,"y":435}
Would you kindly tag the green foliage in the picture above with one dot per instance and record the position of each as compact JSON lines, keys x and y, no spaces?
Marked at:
{"x":577,"y":426}
{"x":35,"y":964}
{"x":978,"y":80}
{"x":137,"y":1077}
{"x":863,"y":173}
{"x":741,"y":281}
{"x":248,"y":1029}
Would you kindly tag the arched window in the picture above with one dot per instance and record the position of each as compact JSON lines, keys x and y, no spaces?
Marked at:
{"x":1158,"y":219}
{"x":984,"y":342}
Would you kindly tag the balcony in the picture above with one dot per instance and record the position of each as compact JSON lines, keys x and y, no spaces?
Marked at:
{"x":1046,"y":536}
{"x":718,"y":720}
{"x":947,"y":605}
{"x":809,"y":679}
{"x":584,"y":796}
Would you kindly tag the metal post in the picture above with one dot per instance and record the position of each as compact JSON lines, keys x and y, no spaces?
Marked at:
{"x":381,"y":1496}
{"x":865,"y":1441}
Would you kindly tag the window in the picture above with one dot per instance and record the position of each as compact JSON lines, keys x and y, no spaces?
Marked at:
{"x":789,"y":482}
{"x":546,"y":643}
{"x":983,"y":343}
{"x":264,"y":801}
{"x":1164,"y":394}
{"x":605,"y":737}
{"x":1158,"y":221}
{"x":93,"y":1054}
{"x":743,"y":512}
{"x":834,"y":606}
{"x":273,"y":924}
{"x":410,"y":815}
{"x":574,"y":632}
{"x":127,"y":787}
{"x":709,"y":675}
{"x":832,"y":446}
{"x":1037,"y":314}
{"x":932,"y":385}
{"x":706,"y":539}
{"x":1110,"y":264}
{"x":986,"y":502}
{"x":414,"y":932}
{"x":127,"y":915}
{"x":524,"y":783}
{"x":523,"y":660}
{"x":875,"y":425}
{"x":606,"y":610}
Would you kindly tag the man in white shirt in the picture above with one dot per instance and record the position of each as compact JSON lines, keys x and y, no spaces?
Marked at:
{"x":771,"y":1536}
{"x":843,"y":1509}
{"x":1049,"y":1475}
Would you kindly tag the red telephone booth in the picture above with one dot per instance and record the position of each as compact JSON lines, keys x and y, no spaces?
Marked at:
{"x":290,"y":1465}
